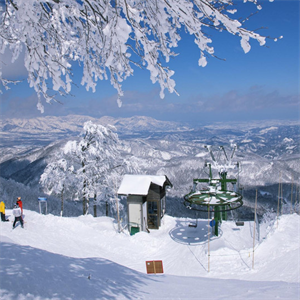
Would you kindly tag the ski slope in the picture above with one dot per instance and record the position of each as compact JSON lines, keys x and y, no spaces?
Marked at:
{"x":86,"y":258}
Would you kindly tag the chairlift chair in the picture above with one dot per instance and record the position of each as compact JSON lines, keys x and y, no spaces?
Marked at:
{"x":237,"y":222}
{"x":194,"y":224}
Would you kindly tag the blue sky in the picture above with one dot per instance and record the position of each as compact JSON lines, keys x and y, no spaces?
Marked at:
{"x":262,"y":84}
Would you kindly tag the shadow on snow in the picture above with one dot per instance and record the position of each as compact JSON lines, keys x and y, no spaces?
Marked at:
{"x":184,"y":234}
{"x":31,"y":272}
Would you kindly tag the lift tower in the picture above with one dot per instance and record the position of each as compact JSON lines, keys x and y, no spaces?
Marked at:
{"x":215,"y":196}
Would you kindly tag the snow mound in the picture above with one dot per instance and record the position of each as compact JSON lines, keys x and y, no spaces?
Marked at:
{"x":86,"y":258}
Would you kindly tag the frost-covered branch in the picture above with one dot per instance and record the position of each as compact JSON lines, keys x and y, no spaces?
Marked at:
{"x":107,"y":38}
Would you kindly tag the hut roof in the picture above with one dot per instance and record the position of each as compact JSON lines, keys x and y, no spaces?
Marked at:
{"x":140,"y":184}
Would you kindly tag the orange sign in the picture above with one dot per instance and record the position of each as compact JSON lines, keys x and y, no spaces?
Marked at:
{"x":154,"y":266}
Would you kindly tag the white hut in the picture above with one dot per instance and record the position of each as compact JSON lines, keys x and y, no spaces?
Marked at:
{"x":146,"y":200}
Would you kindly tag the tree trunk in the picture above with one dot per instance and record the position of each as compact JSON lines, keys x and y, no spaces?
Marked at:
{"x":84,"y":200}
{"x":62,"y":202}
{"x":95,"y":205}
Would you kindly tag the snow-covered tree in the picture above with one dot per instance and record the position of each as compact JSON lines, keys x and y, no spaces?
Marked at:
{"x":57,"y":178}
{"x":108,"y":37}
{"x":97,"y":162}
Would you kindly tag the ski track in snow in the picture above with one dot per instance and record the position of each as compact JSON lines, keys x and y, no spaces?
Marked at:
{"x":53,"y":257}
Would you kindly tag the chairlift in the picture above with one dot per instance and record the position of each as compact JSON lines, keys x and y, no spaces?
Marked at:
{"x":237,"y":222}
{"x":194,"y":224}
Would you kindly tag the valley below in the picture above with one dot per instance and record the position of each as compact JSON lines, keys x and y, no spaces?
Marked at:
{"x":267,"y":153}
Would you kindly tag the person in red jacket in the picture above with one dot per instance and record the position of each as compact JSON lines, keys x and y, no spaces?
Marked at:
{"x":20,"y":204}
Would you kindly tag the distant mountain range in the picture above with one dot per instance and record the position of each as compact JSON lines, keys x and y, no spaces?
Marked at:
{"x":72,"y":124}
{"x":267,"y":151}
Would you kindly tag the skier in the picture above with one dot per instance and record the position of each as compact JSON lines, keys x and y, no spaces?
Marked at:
{"x":18,"y":215}
{"x":2,"y":210}
{"x":20,"y":204}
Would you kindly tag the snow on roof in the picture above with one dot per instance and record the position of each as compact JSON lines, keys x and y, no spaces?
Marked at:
{"x":139,"y":184}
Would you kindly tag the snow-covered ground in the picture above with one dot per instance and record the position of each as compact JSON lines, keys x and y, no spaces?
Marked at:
{"x":86,"y":258}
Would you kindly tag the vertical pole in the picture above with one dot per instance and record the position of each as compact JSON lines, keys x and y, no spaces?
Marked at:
{"x":297,"y":194}
{"x":296,"y":198}
{"x":118,"y":214}
{"x":62,"y":201}
{"x":292,"y":194}
{"x":117,"y":199}
{"x":95,"y":205}
{"x":84,"y":200}
{"x":208,"y":235}
{"x":224,"y":213}
{"x":278,"y":200}
{"x":281,"y":196}
{"x":210,"y":172}
{"x":217,"y":220}
{"x":106,"y":208}
{"x":254,"y":230}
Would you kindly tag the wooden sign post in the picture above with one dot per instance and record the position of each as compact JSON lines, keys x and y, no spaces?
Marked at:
{"x":154,"y":267}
